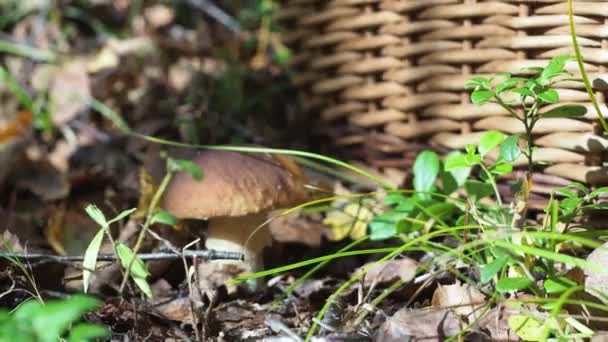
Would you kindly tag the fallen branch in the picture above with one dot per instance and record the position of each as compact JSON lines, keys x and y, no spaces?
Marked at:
{"x":205,"y":254}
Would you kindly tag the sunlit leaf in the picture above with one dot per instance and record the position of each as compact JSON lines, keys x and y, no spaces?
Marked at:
{"x":122,"y":215}
{"x":527,"y":328}
{"x":88,"y":332}
{"x":481,"y":96}
{"x":509,"y":148}
{"x":488,"y":271}
{"x":182,"y":165}
{"x":164,"y":217}
{"x":558,"y":284}
{"x":489,"y":140}
{"x":90,"y":259}
{"x":426,"y":170}
{"x":97,"y":215}
{"x":513,"y":284}
{"x":478,"y":189}
{"x":387,"y":225}
{"x":352,"y":221}
{"x":565,"y":111}
{"x":128,"y":258}
{"x":549,"y":96}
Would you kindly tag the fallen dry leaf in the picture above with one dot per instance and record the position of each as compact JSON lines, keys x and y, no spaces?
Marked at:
{"x":69,"y":91}
{"x":494,"y":324}
{"x":390,"y":271}
{"x":297,"y":228}
{"x":429,"y":324}
{"x":178,"y":310}
{"x":465,"y":300}
{"x":598,"y":281}
{"x":70,"y":231}
{"x":212,"y":275}
{"x":43,"y":180}
{"x":350,"y":222}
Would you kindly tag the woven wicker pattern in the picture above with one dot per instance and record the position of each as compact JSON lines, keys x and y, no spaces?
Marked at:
{"x":386,"y":77}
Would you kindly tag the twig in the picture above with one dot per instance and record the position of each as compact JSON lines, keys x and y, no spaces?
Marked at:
{"x":146,"y":226}
{"x":209,"y":254}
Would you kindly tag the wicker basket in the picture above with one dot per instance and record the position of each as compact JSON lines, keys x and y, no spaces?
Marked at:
{"x":386,"y":77}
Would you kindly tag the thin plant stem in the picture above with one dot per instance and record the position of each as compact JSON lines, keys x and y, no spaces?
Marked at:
{"x":142,"y":233}
{"x":314,"y":270}
{"x":493,"y":183}
{"x":581,"y":67}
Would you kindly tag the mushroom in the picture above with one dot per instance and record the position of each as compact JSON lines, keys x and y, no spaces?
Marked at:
{"x":235,"y":195}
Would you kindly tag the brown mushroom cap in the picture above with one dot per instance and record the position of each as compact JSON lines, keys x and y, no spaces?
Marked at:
{"x":235,"y":184}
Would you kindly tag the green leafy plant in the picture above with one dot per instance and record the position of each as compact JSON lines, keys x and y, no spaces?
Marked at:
{"x":529,"y":93}
{"x":133,"y":266}
{"x":34,"y":321}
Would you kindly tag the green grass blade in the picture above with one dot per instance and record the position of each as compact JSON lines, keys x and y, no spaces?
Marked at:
{"x":581,"y":66}
{"x":38,"y":55}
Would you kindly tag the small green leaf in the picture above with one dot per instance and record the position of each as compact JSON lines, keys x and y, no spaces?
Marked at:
{"x":481,"y":96}
{"x":579,"y":186}
{"x":566,"y":192}
{"x":478,"y":189}
{"x":181,"y":165}
{"x":597,"y":192}
{"x":488,"y":271}
{"x":406,"y":206}
{"x":122,"y":215}
{"x":97,"y":215}
{"x":509,"y":148}
{"x":489,"y":140}
{"x":90,"y":259}
{"x":456,"y":177}
{"x":138,"y":272}
{"x":534,"y":68}
{"x":558,"y":284}
{"x":386,"y":226}
{"x":143,"y":285}
{"x":127,"y":257}
{"x":163,"y":217}
{"x":523,"y":91}
{"x":436,"y":211}
{"x":426,"y":169}
{"x":565,"y":111}
{"x":568,"y":205}
{"x":51,"y":320}
{"x":282,"y":55}
{"x":470,"y":149}
{"x":513,"y":284}
{"x":458,"y":161}
{"x":84,"y":332}
{"x":555,"y":67}
{"x":394,"y":198}
{"x":475,"y":82}
{"x":509,"y":84}
{"x":527,"y":328}
{"x":549,"y":96}
{"x":501,"y":169}
{"x":455,"y":161}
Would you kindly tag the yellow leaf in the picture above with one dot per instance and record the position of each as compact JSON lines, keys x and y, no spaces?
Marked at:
{"x":350,"y":222}
{"x":55,"y":230}
{"x":147,"y":188}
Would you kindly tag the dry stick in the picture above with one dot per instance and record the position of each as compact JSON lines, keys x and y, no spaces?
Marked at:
{"x":209,"y":254}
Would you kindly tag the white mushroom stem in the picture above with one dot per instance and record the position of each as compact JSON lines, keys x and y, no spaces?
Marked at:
{"x":241,"y":234}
